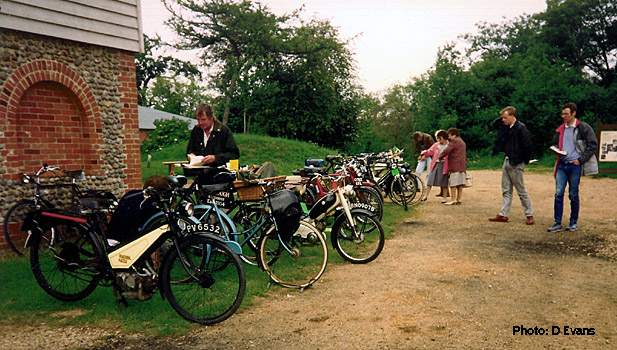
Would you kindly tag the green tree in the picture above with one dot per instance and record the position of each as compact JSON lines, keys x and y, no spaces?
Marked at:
{"x":277,"y":75}
{"x":150,"y":66}
{"x":584,"y":34}
{"x":177,"y":97}
{"x":166,"y":132}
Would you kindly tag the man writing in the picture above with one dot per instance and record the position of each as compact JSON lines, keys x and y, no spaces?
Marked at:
{"x":514,"y":140}
{"x":575,"y":144}
{"x":211,"y":142}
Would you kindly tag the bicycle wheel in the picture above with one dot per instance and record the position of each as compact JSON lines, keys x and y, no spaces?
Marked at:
{"x":359,"y":244}
{"x":13,"y":221}
{"x":206,"y":282}
{"x":402,"y":189}
{"x":370,"y":196}
{"x":413,"y":178}
{"x":65,"y":262}
{"x":300,"y":260}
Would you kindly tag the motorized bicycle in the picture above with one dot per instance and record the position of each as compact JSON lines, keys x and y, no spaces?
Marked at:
{"x":199,"y":273}
{"x":357,"y":234}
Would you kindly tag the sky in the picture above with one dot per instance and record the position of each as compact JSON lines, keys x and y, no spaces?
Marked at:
{"x":393,"y":40}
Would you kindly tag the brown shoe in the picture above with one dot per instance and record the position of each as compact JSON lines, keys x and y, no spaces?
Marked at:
{"x":529,"y":220}
{"x":499,"y":218}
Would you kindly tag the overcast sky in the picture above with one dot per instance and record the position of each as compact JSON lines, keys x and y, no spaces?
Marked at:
{"x":395,"y":40}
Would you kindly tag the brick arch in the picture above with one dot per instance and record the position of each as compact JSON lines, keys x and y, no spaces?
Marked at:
{"x":29,"y":76}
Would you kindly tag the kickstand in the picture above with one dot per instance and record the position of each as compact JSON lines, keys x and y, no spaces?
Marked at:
{"x":119,"y":300}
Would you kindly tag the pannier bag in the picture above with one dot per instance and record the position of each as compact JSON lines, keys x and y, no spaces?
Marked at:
{"x":286,"y":211}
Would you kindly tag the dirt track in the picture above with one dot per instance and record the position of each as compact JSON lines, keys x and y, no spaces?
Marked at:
{"x":449,"y":279}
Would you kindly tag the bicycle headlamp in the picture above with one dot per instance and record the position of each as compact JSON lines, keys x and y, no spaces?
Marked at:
{"x":189,"y":208}
{"x":349,"y":191}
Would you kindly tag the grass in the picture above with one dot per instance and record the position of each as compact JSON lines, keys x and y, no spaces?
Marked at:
{"x":23,"y":302}
{"x":286,"y":155}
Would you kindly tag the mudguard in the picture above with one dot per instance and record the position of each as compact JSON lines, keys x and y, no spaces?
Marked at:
{"x":37,"y":222}
{"x":341,"y":218}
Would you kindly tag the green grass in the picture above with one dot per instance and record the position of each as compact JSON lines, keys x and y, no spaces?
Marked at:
{"x":23,"y":302}
{"x":286,"y":155}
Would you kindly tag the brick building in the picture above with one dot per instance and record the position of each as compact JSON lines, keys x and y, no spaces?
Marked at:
{"x":68,"y":94}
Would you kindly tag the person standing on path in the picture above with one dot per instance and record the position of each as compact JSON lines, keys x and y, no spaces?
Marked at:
{"x":514,"y":140}
{"x":456,"y":151}
{"x":422,"y":142}
{"x":438,"y":169}
{"x":575,"y":144}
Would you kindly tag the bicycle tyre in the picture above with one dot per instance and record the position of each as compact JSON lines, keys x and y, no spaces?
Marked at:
{"x":12,"y":225}
{"x":402,"y":190}
{"x":420,"y":187}
{"x":220,"y":286}
{"x":364,"y":248}
{"x":65,"y":264}
{"x":402,"y":185}
{"x":309,"y":197}
{"x":303,"y":266}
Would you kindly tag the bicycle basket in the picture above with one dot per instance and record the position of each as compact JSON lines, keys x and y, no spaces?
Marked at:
{"x":286,"y":211}
{"x":252,"y":190}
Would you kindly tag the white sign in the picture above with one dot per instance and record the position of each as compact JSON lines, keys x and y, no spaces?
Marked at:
{"x":608,"y":146}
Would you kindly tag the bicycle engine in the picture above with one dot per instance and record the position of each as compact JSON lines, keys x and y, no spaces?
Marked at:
{"x":136,"y":284}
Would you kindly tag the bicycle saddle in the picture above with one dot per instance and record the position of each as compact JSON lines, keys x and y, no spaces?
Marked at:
{"x":95,"y":203}
{"x":177,"y":180}
{"x":75,"y":174}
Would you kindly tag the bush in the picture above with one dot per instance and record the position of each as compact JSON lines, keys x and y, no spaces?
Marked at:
{"x":167,"y":132}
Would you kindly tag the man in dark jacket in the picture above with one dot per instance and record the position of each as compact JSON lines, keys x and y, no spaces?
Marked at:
{"x":575,"y":144}
{"x":211,"y":142}
{"x":514,"y":140}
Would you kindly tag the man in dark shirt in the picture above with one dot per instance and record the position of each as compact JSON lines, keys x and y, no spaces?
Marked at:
{"x":514,"y":140}
{"x":211,"y":142}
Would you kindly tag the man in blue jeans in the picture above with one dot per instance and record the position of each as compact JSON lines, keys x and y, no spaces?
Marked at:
{"x":575,"y":144}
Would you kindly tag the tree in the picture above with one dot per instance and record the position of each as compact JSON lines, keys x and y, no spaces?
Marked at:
{"x":175,"y":96}
{"x":584,"y":34}
{"x":276,"y":75}
{"x":149,"y":67}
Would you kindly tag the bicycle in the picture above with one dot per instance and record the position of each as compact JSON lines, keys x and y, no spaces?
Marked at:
{"x":357,"y":234}
{"x":365,"y":191}
{"x":395,"y":178}
{"x":15,"y":236}
{"x":200,"y":275}
{"x":266,"y":224}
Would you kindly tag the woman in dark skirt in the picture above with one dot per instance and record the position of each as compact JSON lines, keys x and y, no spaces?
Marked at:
{"x":438,"y":175}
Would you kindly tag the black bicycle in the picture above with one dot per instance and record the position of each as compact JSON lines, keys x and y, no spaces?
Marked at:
{"x":15,"y":236}
{"x":200,"y":274}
